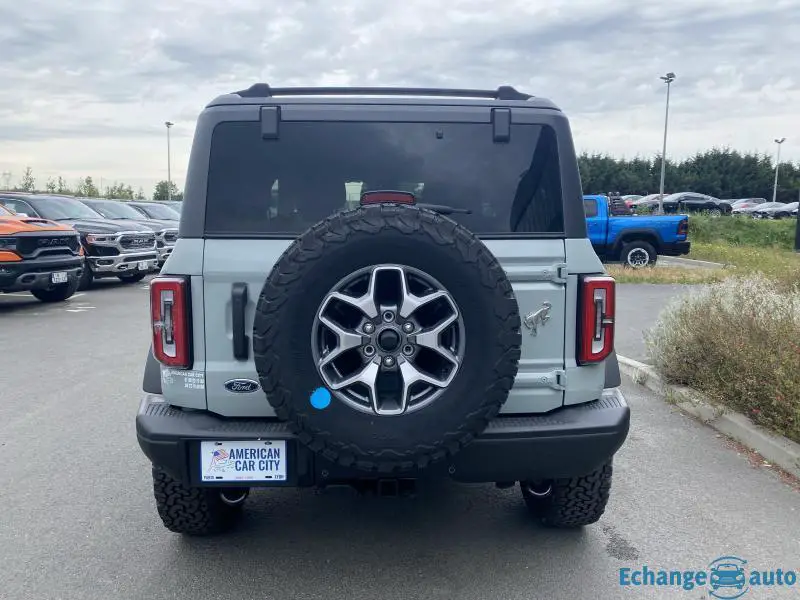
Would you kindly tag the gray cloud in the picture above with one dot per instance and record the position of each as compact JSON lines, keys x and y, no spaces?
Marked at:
{"x":91,"y":71}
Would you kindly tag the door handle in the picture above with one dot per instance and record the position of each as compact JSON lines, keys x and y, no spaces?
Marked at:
{"x":241,"y":343}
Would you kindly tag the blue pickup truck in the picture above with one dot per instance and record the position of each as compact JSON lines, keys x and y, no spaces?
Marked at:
{"x":635,"y":241}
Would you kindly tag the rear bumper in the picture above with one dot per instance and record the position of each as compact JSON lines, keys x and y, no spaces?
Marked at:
{"x":675,"y":248}
{"x":568,"y":442}
{"x":37,"y":273}
{"x":123,"y":263}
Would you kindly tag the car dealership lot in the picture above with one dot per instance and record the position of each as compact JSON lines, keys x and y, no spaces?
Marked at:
{"x":79,"y":519}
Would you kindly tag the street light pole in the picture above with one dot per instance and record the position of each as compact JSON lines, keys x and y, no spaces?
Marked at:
{"x":777,"y":164}
{"x":169,"y":166}
{"x":668,"y":79}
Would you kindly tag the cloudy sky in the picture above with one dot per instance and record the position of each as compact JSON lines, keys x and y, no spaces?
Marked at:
{"x":85,"y":86}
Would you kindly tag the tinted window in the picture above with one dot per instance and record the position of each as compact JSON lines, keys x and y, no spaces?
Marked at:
{"x":590,"y":207}
{"x":115,"y":210}
{"x":18,"y":206}
{"x":64,"y":208}
{"x":284,"y":186}
{"x":159,"y":211}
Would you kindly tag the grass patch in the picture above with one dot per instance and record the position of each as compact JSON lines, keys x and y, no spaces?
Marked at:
{"x":742,"y":231}
{"x":737,"y":342}
{"x":782,"y":266}
{"x":665,"y":275}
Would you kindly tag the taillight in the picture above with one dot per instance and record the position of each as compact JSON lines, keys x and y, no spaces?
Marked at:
{"x":170,"y":314}
{"x":388,"y":197}
{"x":683,"y":227}
{"x":597,"y":305}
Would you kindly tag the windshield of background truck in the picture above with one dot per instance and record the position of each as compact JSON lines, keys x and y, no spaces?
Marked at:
{"x":116,"y":210}
{"x":64,"y":208}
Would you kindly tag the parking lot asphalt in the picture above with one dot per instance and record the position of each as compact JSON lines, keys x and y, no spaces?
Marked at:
{"x":638,"y":306}
{"x":79,"y":521}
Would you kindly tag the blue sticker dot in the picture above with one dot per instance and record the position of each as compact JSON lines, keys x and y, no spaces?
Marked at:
{"x":320,"y":398}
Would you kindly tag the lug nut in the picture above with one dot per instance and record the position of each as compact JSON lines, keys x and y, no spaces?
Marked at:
{"x":369,"y":328}
{"x":408,"y":350}
{"x":388,"y":361}
{"x":408,"y":327}
{"x":388,"y":316}
{"x":369,"y":350}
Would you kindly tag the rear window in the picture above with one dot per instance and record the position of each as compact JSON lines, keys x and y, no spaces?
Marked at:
{"x":281,"y":187}
{"x":590,"y":207}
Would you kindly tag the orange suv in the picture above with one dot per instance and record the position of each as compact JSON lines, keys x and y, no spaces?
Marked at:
{"x":39,"y":256}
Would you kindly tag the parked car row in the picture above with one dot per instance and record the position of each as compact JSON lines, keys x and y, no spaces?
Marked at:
{"x":685,"y":202}
{"x":767,"y":210}
{"x":55,"y":245}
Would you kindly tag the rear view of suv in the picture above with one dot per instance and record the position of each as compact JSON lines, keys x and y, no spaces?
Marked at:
{"x":376,"y":287}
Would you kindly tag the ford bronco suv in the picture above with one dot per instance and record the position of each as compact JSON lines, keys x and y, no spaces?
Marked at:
{"x":38,"y":256}
{"x":375,"y":286}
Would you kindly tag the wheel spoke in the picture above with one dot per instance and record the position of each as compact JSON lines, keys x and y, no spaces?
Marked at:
{"x":365,"y":303}
{"x":366,"y":376}
{"x":430,"y":339}
{"x":412,"y":302}
{"x":412,"y":375}
{"x":346,"y":340}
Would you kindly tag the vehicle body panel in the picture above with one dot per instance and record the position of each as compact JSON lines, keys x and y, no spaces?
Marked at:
{"x":558,"y":419}
{"x":32,"y":250}
{"x":608,"y":233}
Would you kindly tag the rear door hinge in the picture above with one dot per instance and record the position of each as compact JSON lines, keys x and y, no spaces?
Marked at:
{"x":556,"y":273}
{"x":561,"y":273}
{"x":556,"y":380}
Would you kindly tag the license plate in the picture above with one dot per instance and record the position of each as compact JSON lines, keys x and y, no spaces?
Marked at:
{"x":143,"y":265}
{"x":58,"y":277}
{"x":243,"y":461}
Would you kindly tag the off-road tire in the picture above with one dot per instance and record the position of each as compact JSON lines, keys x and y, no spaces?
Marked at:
{"x":135,"y":278}
{"x":191,"y":510}
{"x":652,"y":255}
{"x":574,"y":502}
{"x":86,"y":278}
{"x":57,"y":293}
{"x":344,"y":243}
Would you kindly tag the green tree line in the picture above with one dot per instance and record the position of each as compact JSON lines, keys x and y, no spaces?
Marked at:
{"x":725,"y":174}
{"x":86,"y":187}
{"x":720,"y":173}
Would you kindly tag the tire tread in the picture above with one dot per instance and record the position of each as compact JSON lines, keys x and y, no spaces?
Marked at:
{"x":337,"y":230}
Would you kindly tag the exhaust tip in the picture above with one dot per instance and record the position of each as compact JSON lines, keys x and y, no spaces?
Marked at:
{"x":537,"y":489}
{"x":235,"y":496}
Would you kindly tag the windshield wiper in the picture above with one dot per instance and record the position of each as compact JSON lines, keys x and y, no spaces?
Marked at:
{"x":444,"y":209}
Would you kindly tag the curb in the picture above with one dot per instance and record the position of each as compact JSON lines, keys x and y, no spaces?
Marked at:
{"x":677,"y":260}
{"x":776,"y":449}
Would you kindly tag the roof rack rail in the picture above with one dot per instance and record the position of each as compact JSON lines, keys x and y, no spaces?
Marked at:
{"x":263,"y":90}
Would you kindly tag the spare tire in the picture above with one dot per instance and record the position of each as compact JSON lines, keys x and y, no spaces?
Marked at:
{"x":387,"y":337}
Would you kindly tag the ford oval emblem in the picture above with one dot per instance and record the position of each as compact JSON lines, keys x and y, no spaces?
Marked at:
{"x":241,"y":386}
